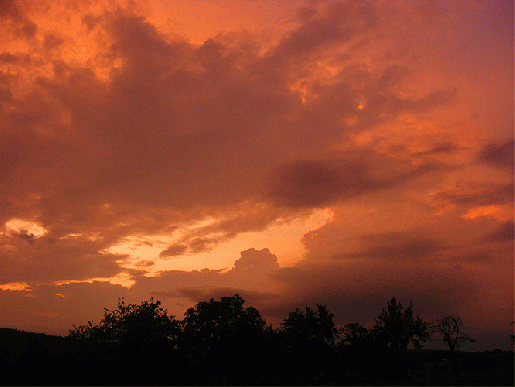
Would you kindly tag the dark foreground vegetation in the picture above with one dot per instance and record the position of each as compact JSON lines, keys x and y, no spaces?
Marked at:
{"x":225,"y":343}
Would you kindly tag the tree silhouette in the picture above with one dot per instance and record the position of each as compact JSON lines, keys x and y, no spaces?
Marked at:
{"x":395,"y":328}
{"x":312,"y":326}
{"x":221,"y":333}
{"x":354,"y":335}
{"x":363,"y":355}
{"x":142,"y":324}
{"x":213,"y":322}
{"x":224,"y":343}
{"x":128,"y":340}
{"x":308,"y":341}
{"x":450,"y":328}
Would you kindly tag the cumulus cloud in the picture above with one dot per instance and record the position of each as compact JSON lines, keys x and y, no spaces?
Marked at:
{"x":253,"y":259}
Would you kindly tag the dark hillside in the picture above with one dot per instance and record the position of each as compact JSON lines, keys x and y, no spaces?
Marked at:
{"x":16,"y":345}
{"x":35,"y":358}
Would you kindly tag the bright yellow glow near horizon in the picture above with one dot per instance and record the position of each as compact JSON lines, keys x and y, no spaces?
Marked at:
{"x":283,"y":240}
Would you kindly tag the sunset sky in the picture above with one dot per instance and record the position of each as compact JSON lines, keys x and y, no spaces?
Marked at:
{"x":294,"y":152}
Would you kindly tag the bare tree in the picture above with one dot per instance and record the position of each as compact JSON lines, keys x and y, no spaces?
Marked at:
{"x":450,"y":330}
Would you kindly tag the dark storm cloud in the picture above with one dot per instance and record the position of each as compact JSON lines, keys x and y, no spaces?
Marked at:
{"x":500,"y":155}
{"x":182,"y":127}
{"x":478,"y":194}
{"x":23,"y":26}
{"x":503,"y":233}
{"x":397,"y":246}
{"x":191,"y":244}
{"x":318,"y":183}
{"x":161,"y":125}
{"x":482,"y":257}
{"x":339,"y":23}
{"x":46,"y":259}
{"x":305,"y":14}
{"x":91,"y":21}
{"x":52,"y":42}
{"x":447,"y":148}
{"x":9,"y":58}
{"x":357,"y":291}
{"x":173,"y":250}
{"x":26,"y":236}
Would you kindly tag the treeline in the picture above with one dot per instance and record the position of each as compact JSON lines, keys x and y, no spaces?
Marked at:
{"x":222,"y":342}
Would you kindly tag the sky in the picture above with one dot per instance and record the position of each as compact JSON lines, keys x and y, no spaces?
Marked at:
{"x":293,"y":152}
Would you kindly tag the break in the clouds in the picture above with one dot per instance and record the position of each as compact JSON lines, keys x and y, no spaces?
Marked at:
{"x":374,"y":138}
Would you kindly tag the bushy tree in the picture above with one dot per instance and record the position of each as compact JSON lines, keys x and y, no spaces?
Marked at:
{"x":396,"y":328}
{"x":360,"y":356}
{"x":354,"y":335}
{"x":313,"y":325}
{"x":308,"y":344}
{"x":127,"y":341}
{"x":225,"y":338}
{"x":214,"y":322}
{"x":141,"y":325}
